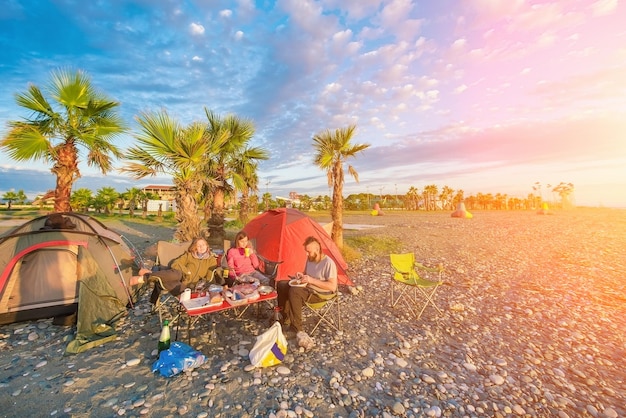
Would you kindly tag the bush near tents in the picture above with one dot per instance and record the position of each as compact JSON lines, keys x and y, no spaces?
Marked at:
{"x":62,"y":263}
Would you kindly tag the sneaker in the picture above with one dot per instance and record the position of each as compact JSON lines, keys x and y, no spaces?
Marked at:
{"x":305,"y":341}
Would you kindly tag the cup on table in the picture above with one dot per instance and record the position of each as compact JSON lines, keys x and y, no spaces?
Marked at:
{"x":186,"y":295}
{"x":246,"y":251}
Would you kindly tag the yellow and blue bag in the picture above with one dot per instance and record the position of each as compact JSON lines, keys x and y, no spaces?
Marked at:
{"x":270,"y":347}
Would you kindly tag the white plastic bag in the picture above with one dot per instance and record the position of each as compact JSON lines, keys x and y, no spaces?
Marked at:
{"x":270,"y":347}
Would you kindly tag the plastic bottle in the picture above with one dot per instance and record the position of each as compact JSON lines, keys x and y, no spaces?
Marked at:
{"x":164,"y":339}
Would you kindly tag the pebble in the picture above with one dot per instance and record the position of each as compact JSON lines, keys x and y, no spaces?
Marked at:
{"x":133,"y":362}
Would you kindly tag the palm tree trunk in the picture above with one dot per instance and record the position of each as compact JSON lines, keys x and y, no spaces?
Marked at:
{"x":186,"y":215}
{"x":66,"y":171}
{"x":337,"y":208}
{"x":244,"y":209}
{"x":216,"y":221}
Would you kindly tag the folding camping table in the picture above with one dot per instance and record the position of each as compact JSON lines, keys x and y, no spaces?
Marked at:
{"x":194,"y":310}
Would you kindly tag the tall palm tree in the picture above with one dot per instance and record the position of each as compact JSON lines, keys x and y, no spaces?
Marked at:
{"x":332,"y":149}
{"x":412,"y":198}
{"x":221,"y":169}
{"x":167,"y":147}
{"x":430,"y":195}
{"x":245,"y":176}
{"x":79,"y":117}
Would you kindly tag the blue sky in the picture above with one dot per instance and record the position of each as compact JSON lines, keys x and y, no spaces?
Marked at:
{"x":481,"y":95}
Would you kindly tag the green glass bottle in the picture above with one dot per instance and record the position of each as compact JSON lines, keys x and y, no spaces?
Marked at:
{"x":164,"y":339}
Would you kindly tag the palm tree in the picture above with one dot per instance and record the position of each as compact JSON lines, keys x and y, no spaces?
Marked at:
{"x":132,"y":195}
{"x":221,"y":169}
{"x":181,"y":152}
{"x":54,"y":133}
{"x":106,"y":198}
{"x":332,"y":150}
{"x":412,"y":197}
{"x":430,"y":195}
{"x":81,"y":199}
{"x":245,"y":177}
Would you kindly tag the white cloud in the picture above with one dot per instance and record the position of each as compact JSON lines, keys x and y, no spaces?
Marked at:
{"x":459,"y":43}
{"x":226,"y":13}
{"x":238,"y":35}
{"x":604,"y":7}
{"x":196,"y":29}
{"x":197,"y":58}
{"x":460,"y":89}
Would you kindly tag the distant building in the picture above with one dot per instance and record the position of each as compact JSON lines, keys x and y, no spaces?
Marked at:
{"x":164,"y":192}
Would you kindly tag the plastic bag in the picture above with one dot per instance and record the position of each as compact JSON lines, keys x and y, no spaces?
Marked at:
{"x":270,"y":347}
{"x":179,"y":357}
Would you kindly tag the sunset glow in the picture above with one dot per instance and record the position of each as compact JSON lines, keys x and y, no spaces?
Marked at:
{"x":487,"y":96}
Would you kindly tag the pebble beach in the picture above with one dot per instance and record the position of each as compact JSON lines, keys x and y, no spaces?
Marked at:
{"x":533,"y":325}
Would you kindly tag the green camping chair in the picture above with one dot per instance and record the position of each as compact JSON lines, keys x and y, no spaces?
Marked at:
{"x":409,"y":288}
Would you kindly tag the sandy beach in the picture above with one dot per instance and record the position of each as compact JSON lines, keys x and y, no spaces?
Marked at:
{"x":534,"y":313}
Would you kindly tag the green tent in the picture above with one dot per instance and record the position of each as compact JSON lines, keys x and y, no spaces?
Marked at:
{"x":67,"y":263}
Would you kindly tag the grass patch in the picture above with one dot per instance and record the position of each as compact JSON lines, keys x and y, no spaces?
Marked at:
{"x":373,"y":245}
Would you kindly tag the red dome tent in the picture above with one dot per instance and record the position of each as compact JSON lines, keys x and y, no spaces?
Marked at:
{"x":279,"y":235}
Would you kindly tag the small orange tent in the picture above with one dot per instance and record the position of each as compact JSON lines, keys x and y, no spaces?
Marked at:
{"x":461,"y":212}
{"x":279,"y":235}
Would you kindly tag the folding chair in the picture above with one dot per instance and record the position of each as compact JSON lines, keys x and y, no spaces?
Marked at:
{"x":325,"y":307}
{"x":409,"y":287}
{"x":166,"y":253}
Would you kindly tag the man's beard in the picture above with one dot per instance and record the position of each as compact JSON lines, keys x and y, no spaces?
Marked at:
{"x":314,"y":257}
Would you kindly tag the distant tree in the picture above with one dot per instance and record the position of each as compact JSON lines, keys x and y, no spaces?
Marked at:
{"x":458,"y":197}
{"x":332,"y":149}
{"x":245,"y":176}
{"x":565,"y":191}
{"x":11,"y":197}
{"x":106,"y":198}
{"x":430,"y":196}
{"x":80,"y":116}
{"x":132,"y":197}
{"x":446,"y":197}
{"x":81,"y":199}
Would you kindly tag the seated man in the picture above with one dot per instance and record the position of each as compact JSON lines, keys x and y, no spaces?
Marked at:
{"x":242,"y":261}
{"x":320,"y":273}
{"x":195,"y":264}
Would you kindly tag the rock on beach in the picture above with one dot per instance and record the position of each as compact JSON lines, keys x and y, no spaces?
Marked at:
{"x":532,"y":326}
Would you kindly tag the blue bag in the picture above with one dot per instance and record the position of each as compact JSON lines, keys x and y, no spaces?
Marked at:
{"x":178,"y":358}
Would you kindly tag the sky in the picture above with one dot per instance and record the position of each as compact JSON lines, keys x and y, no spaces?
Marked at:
{"x":485,"y":96}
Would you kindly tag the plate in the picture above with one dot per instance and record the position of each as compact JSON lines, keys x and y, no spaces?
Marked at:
{"x":265,"y":290}
{"x":199,"y":303}
{"x":296,"y":283}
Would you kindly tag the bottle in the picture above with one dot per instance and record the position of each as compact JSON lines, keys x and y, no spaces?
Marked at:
{"x":277,"y":316}
{"x":164,"y":339}
{"x":213,"y":336}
